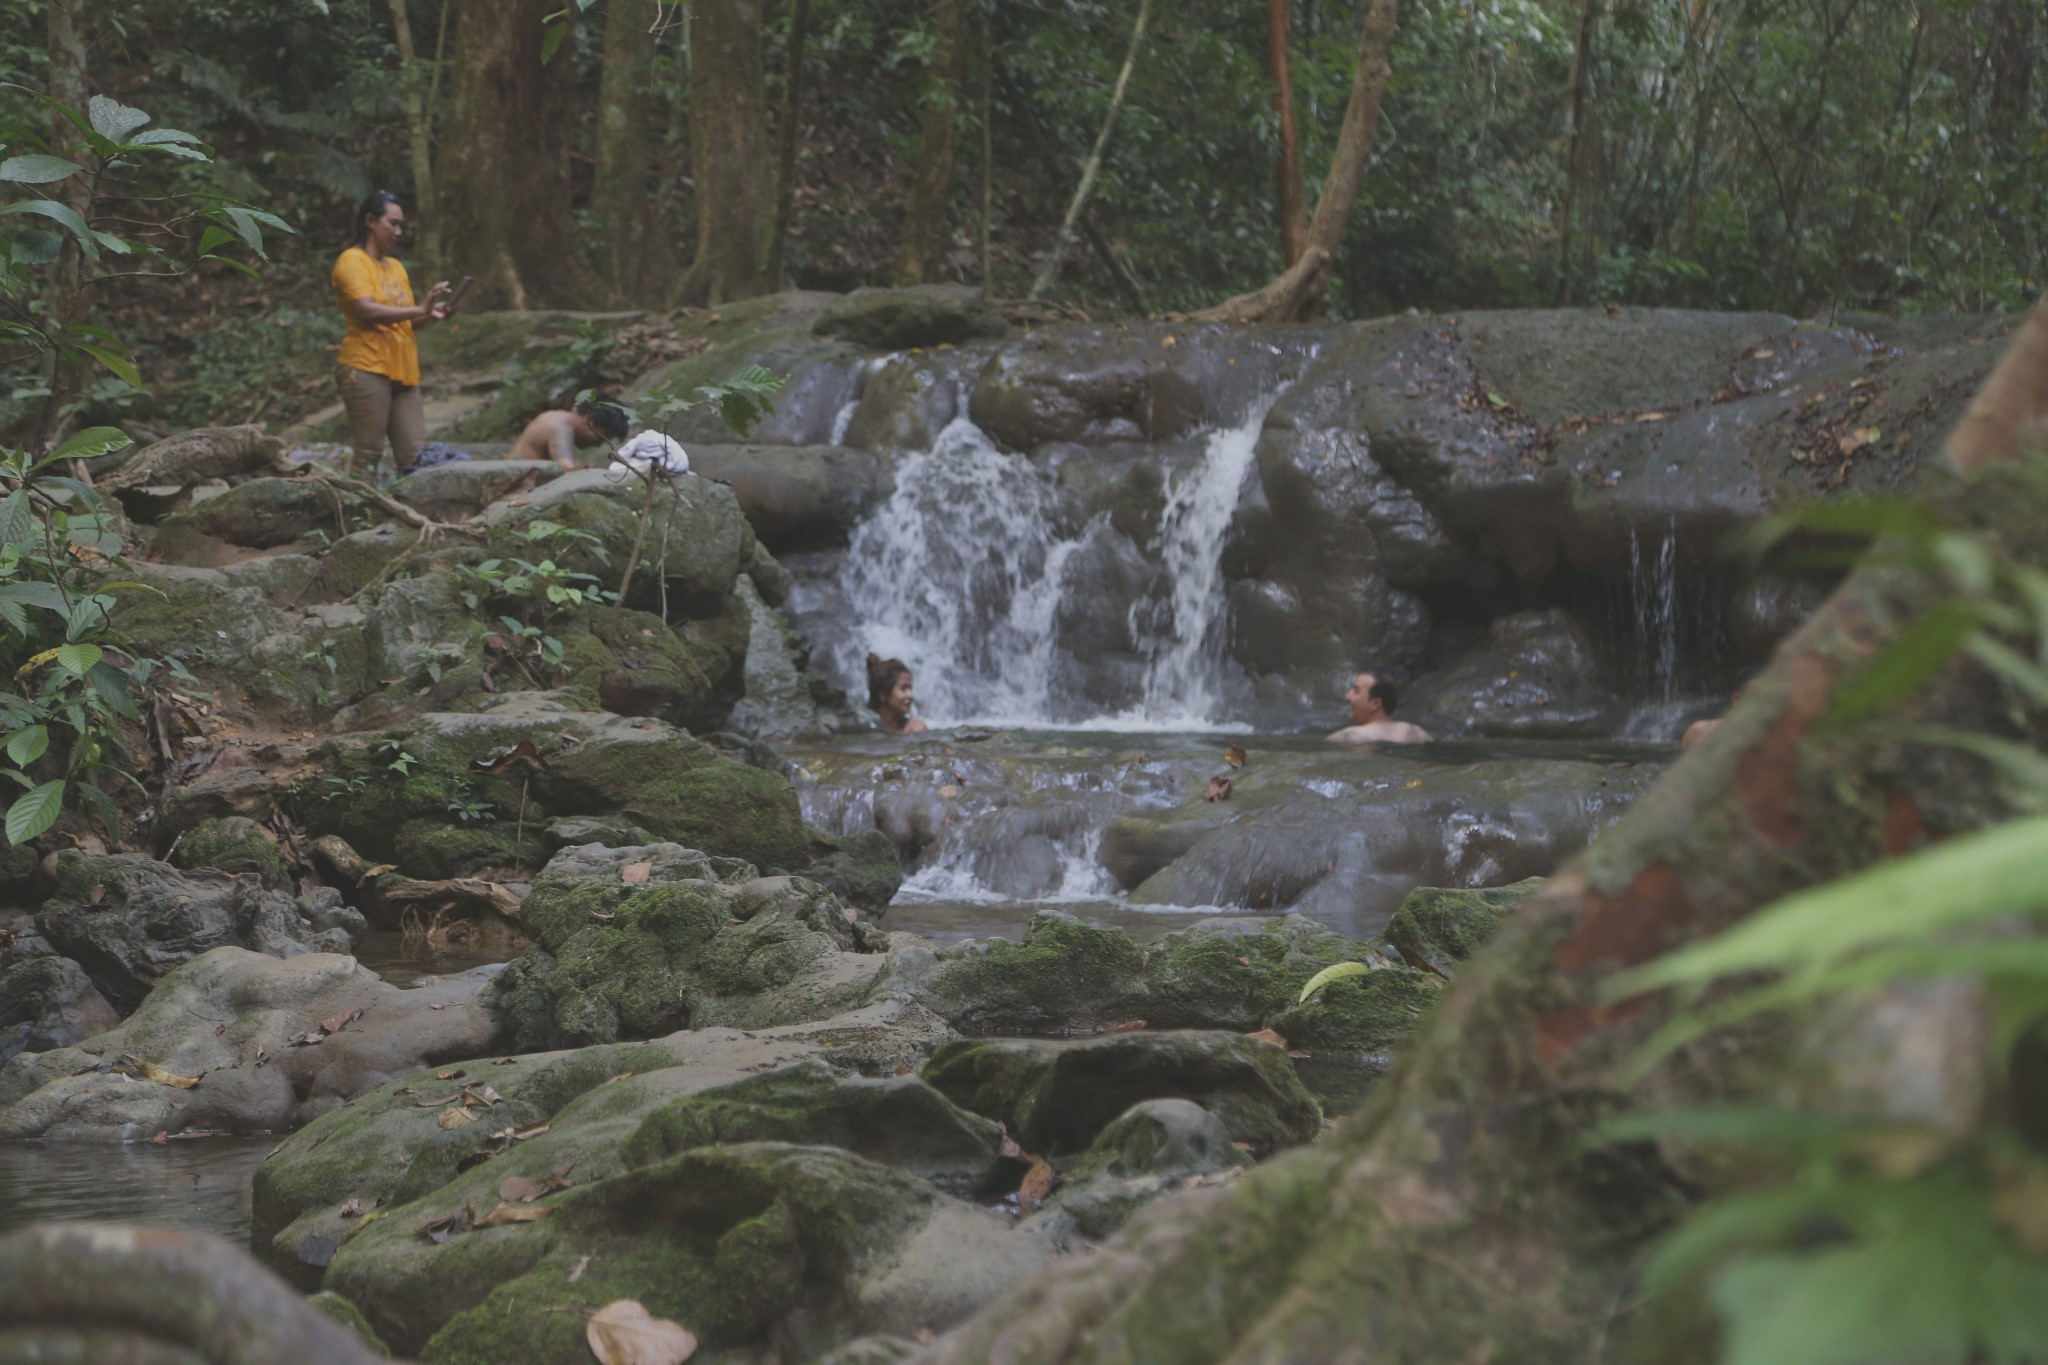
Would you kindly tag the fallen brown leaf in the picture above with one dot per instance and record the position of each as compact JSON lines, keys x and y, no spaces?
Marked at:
{"x":635,"y":874}
{"x":458,"y":1220}
{"x":1266,"y":1035}
{"x":455,"y":1117}
{"x":1235,"y":755}
{"x":436,"y":1104}
{"x":1127,"y":1026}
{"x":1037,"y":1184}
{"x":441,"y":1006}
{"x":506,"y":1061}
{"x":482,"y":1097}
{"x":624,"y":1333}
{"x":150,"y":1071}
{"x":453,"y":1073}
{"x":582,"y":1264}
{"x":512,"y":1213}
{"x":521,"y":1189}
{"x":336,"y":1023}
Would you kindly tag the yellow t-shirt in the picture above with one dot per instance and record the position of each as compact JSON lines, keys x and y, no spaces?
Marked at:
{"x":385,"y":348}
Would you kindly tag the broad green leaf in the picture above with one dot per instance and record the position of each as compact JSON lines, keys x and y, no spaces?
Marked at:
{"x":26,"y":746}
{"x":1335,"y":972}
{"x":113,"y":120}
{"x":34,"y":812}
{"x":88,"y":614}
{"x":1726,"y":1225}
{"x":215,"y":235}
{"x":1969,"y":878}
{"x":12,"y":616}
{"x":552,"y":41}
{"x":17,"y":520}
{"x":2014,"y":667}
{"x":103,"y":805}
{"x":37,"y":169}
{"x":122,"y":367}
{"x":62,"y":214}
{"x":35,"y":593}
{"x":245,"y":225}
{"x":91,"y":442}
{"x":117,"y":246}
{"x":77,"y":658}
{"x":112,"y":685}
{"x":157,"y":137}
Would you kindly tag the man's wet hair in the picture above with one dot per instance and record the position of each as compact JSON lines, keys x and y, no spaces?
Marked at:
{"x":1385,"y":693}
{"x":607,"y":418}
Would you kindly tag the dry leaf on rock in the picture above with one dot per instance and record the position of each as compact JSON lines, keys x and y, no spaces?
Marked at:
{"x":352,"y":1209}
{"x":1235,"y":755}
{"x":1266,"y":1035}
{"x":512,"y":1213}
{"x":520,"y":1189}
{"x":624,"y":1333}
{"x":150,"y":1071}
{"x":457,"y":1220}
{"x":337,"y":1022}
{"x":453,"y":1073}
{"x":582,"y":1264}
{"x":436,"y":1104}
{"x":1038,"y":1183}
{"x":455,"y":1117}
{"x":1127,"y":1026}
{"x":481,"y":1097}
{"x":635,"y":874}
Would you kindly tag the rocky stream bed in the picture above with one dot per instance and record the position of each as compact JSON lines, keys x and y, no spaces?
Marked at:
{"x":816,"y":1041}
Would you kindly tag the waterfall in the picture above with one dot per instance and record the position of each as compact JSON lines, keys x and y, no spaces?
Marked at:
{"x":963,"y":574}
{"x":1653,"y":592}
{"x":1184,"y":648}
{"x":959,"y":575}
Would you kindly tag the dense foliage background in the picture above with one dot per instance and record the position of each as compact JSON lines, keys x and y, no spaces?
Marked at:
{"x":1816,"y":156}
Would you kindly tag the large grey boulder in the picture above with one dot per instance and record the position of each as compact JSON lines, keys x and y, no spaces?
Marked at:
{"x":48,"y":1002}
{"x":128,"y":920}
{"x":798,"y":497}
{"x":1535,"y":675}
{"x":458,"y":490}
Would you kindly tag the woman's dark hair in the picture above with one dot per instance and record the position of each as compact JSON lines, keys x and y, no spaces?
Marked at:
{"x":607,"y":418}
{"x":882,"y":676}
{"x":373,"y":207}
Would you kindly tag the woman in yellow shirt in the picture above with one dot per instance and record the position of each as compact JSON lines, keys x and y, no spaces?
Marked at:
{"x":378,"y":370}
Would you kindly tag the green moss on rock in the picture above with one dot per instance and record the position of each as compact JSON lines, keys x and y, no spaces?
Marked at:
{"x":351,"y":1317}
{"x":1436,"y":928}
{"x":235,"y":844}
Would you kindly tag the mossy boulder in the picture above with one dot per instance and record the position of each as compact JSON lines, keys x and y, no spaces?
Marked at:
{"x":798,"y":497}
{"x":1165,"y":1137}
{"x":258,"y":515}
{"x":1438,"y":927}
{"x":236,"y":845}
{"x":641,"y":770}
{"x":351,"y":1317}
{"x":1063,"y":974}
{"x":460,"y":489}
{"x":635,"y":664}
{"x":922,"y":315}
{"x":1055,"y":1095}
{"x":640,"y":942}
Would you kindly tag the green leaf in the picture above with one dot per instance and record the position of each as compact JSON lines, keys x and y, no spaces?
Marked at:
{"x":2013,"y":666}
{"x":1335,"y":972}
{"x":12,"y":616}
{"x":552,"y":41}
{"x":1969,"y":878}
{"x":244,"y":224}
{"x":88,"y":614}
{"x":1724,"y":1226}
{"x":102,"y":805}
{"x":26,"y":746}
{"x":37,"y":169}
{"x":117,"y":246}
{"x":215,"y":235}
{"x":77,"y":658}
{"x":113,"y":120}
{"x":1920,"y":652}
{"x":34,"y":593}
{"x":92,"y":442}
{"x":17,"y":520}
{"x":63,"y":214}
{"x":157,"y":137}
{"x":34,"y":812}
{"x":121,"y":366}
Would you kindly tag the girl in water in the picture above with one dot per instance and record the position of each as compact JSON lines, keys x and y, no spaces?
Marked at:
{"x":889,"y":696}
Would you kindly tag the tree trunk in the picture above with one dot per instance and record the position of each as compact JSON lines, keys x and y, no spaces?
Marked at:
{"x":1302,"y":293}
{"x":986,"y":32}
{"x":70,"y":290}
{"x":2011,"y":50}
{"x":505,"y":191}
{"x":624,"y":151}
{"x":1458,"y":1217}
{"x":1093,"y":169}
{"x":789,"y":130}
{"x":729,"y":146}
{"x":924,"y":221}
{"x":1293,"y":212}
{"x":1575,"y":111}
{"x":418,"y":138}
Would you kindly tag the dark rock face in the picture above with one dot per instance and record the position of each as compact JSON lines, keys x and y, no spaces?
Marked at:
{"x":1534,"y":676}
{"x":923,"y":315}
{"x":46,"y":1003}
{"x":798,"y":497}
{"x":1056,"y":1095}
{"x":128,"y":920}
{"x":256,"y":515}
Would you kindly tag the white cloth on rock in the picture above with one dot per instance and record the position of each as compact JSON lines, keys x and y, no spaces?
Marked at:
{"x":651,"y":450}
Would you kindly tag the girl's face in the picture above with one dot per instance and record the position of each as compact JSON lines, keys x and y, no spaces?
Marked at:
{"x":900,"y":695}
{"x":387,"y":228}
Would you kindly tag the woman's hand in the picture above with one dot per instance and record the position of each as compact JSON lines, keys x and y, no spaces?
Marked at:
{"x":440,"y":288}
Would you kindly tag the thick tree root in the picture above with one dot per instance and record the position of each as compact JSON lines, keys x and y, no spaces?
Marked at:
{"x":94,"y":1292}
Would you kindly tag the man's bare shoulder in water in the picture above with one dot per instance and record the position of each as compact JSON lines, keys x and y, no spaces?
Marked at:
{"x":1371,"y":700}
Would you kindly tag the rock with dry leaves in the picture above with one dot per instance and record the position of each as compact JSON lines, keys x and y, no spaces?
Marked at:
{"x":243,"y":1042}
{"x":128,"y":919}
{"x":751,"y":1187}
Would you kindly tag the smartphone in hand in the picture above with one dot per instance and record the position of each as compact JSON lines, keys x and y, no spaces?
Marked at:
{"x":455,"y":295}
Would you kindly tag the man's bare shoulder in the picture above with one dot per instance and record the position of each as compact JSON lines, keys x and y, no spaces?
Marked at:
{"x":536,"y":441}
{"x":1381,"y":732}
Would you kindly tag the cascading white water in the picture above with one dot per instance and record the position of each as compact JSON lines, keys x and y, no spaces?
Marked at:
{"x":963,"y":573}
{"x":959,"y":575}
{"x":1184,"y":648}
{"x":1653,"y":589}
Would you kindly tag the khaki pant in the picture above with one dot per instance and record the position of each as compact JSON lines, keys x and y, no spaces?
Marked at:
{"x":377,"y":408}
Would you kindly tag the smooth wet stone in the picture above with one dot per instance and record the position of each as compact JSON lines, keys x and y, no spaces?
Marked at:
{"x":457,"y":491}
{"x":1535,"y":675}
{"x":798,"y":497}
{"x":1055,"y":1095}
{"x":257,"y":515}
{"x":906,"y":400}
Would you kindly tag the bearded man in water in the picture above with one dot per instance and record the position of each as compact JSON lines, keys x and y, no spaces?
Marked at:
{"x":1372,"y":702}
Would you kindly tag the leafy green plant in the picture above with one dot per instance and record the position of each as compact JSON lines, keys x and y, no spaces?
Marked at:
{"x":1885,"y":1240}
{"x":464,"y":806}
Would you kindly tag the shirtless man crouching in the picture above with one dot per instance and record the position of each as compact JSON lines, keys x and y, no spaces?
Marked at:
{"x":1372,"y":703}
{"x":557,"y":435}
